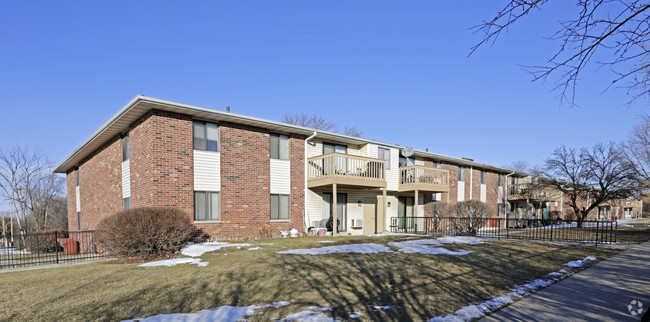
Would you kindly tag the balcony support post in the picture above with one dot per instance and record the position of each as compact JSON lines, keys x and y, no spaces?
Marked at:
{"x":416,"y":203}
{"x":335,"y":207}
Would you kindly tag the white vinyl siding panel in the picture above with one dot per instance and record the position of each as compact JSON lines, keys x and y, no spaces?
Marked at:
{"x":314,"y":206}
{"x":390,"y":211}
{"x":314,"y":148}
{"x":354,"y":150}
{"x":126,"y":179}
{"x":207,"y":171}
{"x":280,"y":176}
{"x":354,"y":211}
{"x":483,"y":192}
{"x":392,"y":175}
{"x":78,"y":199}
{"x":461,"y":190}
{"x":419,"y":162}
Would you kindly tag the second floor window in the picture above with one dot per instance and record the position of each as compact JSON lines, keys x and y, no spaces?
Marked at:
{"x":125,"y":148}
{"x":384,"y":153}
{"x":500,"y":180}
{"x":279,"y":146}
{"x":461,"y":173}
{"x":205,"y":136}
{"x":330,"y":148}
{"x":482,"y":177}
{"x":77,"y":177}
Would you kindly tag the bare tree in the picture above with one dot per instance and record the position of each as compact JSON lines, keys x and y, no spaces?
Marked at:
{"x":519,"y":166}
{"x":30,"y":188}
{"x":637,"y":150}
{"x":309,"y":120}
{"x":590,"y":177}
{"x":614,"y":30}
{"x":319,"y":123}
{"x":353,"y":131}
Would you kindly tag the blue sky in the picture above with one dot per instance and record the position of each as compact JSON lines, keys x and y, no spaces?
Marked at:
{"x":399,"y":71}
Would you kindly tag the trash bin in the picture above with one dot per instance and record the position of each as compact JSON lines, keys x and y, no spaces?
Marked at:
{"x":322,"y":232}
{"x":69,"y":246}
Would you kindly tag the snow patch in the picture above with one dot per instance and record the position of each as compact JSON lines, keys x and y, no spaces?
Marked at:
{"x":367,"y":248}
{"x":313,"y":313}
{"x":12,"y":251}
{"x":386,"y":233}
{"x":174,"y":262}
{"x":196,"y":250}
{"x":222,"y":313}
{"x":255,"y":248}
{"x":326,"y":241}
{"x":581,"y":262}
{"x":460,"y":240}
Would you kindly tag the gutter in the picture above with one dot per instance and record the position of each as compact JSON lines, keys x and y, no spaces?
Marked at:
{"x":306,"y":219}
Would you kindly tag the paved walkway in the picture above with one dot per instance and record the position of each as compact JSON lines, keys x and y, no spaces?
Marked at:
{"x":600,"y":293}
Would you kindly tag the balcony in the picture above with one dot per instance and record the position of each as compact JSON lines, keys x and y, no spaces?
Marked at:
{"x":422,"y":178}
{"x":345,"y":169}
{"x":524,"y":191}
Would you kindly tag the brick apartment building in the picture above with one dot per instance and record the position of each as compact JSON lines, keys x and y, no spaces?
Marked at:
{"x":234,"y":174}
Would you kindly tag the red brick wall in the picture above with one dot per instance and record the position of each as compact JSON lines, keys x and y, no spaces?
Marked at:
{"x":492,"y":192}
{"x":71,"y":183}
{"x":100,"y":186}
{"x":452,"y":196}
{"x":162,"y":161}
{"x":245,"y":184}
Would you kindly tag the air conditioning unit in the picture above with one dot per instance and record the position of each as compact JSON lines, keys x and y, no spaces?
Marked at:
{"x":357,"y":222}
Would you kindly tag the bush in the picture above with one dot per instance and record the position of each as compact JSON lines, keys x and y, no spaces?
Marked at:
{"x":472,"y":215}
{"x":44,"y":241}
{"x":145,"y":232}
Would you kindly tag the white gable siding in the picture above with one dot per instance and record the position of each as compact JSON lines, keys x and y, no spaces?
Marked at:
{"x":314,"y":148}
{"x":78,"y":199}
{"x":461,"y":190}
{"x":483,"y":193}
{"x":126,"y":179}
{"x":280,"y":176}
{"x":314,"y":206}
{"x":207,"y":171}
{"x":419,"y":161}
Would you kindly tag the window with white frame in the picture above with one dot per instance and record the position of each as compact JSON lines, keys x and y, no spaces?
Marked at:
{"x":205,"y":136}
{"x":461,"y":173}
{"x":125,"y":148}
{"x":279,"y":146}
{"x":482,"y":177}
{"x":127,"y":203}
{"x":279,"y":207}
{"x":207,"y":206}
{"x":384,"y":153}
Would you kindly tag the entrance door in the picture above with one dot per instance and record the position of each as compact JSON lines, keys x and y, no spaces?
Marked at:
{"x":381,"y":219}
{"x":369,"y":216}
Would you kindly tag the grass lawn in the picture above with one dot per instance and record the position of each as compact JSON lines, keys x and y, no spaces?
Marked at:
{"x":415,"y":286}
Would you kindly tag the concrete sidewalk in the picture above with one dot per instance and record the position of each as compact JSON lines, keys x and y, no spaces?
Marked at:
{"x":600,"y":293}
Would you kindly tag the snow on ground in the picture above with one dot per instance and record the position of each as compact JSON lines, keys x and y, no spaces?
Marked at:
{"x":460,"y":240}
{"x":174,"y":261}
{"x":423,"y":246}
{"x":222,"y":313}
{"x":581,"y":262}
{"x":196,"y":250}
{"x":476,"y":311}
{"x":366,"y":248}
{"x":313,"y":313}
{"x":387,"y":233}
{"x":326,"y":241}
{"x":12,"y":251}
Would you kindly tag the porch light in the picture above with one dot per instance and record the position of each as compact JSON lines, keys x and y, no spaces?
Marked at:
{"x":360,"y":203}
{"x":388,"y":204}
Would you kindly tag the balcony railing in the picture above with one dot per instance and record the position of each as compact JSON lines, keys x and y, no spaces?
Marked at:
{"x":522,"y":191}
{"x":346,"y":169}
{"x":418,"y":177}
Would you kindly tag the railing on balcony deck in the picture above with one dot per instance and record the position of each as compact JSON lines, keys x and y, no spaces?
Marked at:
{"x":346,"y":169}
{"x":423,"y":178}
{"x":523,"y":191}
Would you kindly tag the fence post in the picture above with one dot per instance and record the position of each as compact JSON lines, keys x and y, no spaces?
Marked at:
{"x":551,"y":239}
{"x":56,"y":246}
{"x":615,"y":231}
{"x":597,"y":223}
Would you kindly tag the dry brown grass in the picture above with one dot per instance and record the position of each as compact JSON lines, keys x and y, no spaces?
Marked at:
{"x":415,"y":286}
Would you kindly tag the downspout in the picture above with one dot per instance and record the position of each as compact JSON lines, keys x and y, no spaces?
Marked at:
{"x":471,"y":181}
{"x":306,"y":219}
{"x":505,"y":195}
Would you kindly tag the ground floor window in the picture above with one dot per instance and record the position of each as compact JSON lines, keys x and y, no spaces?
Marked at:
{"x":499,"y":209}
{"x":79,"y":220}
{"x":341,"y":210}
{"x":207,"y":206}
{"x":127,"y":203}
{"x":279,"y":207}
{"x":603,"y":212}
{"x":405,"y":212}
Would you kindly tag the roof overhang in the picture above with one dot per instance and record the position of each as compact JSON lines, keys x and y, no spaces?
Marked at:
{"x":140,"y":105}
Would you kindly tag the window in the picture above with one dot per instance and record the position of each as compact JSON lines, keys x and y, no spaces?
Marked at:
{"x":482,"y":177}
{"x":279,"y":207}
{"x":461,"y":173}
{"x":125,"y":148}
{"x":500,"y":180}
{"x":279,"y":146}
{"x":513,"y":180}
{"x":499,"y":209}
{"x":79,"y":220}
{"x":329,"y":148}
{"x":205,"y":136}
{"x":405,"y":162}
{"x":207,"y":206}
{"x":77,"y":177}
{"x":127,"y":203}
{"x":384,"y":153}
{"x":341,"y":209}
{"x":438,"y":164}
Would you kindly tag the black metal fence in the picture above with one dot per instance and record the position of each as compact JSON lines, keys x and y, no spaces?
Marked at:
{"x":598,"y":232}
{"x":48,"y":248}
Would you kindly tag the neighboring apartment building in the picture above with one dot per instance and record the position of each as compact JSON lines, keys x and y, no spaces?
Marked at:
{"x":528,"y":202}
{"x":234,"y":174}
